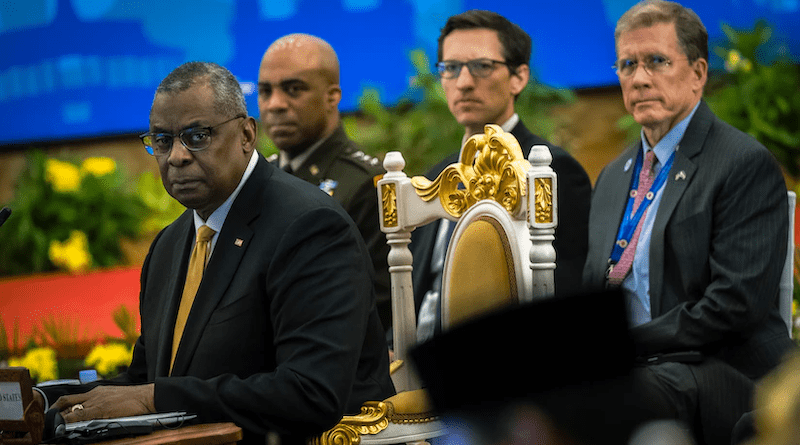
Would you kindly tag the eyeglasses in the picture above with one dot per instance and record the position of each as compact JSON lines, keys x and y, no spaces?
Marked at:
{"x":194,"y":139}
{"x":450,"y":69}
{"x":652,"y":64}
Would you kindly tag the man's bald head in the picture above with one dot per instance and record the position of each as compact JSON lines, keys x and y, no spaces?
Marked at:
{"x":316,"y":53}
{"x":298,"y":92}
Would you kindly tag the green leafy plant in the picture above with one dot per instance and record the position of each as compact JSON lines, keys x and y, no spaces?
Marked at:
{"x":10,"y":346}
{"x":759,"y":93}
{"x":126,"y":322}
{"x":68,"y":216}
{"x":422,"y":129}
{"x":162,"y":208}
{"x":59,"y":348}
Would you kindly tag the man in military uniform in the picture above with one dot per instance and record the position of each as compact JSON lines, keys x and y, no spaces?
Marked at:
{"x":298,"y":100}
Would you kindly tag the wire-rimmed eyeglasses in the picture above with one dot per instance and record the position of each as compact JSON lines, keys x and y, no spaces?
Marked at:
{"x":194,"y":139}
{"x":652,"y":64}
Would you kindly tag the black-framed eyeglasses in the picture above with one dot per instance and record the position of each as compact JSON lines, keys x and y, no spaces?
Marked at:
{"x":450,"y":69}
{"x":652,"y":64}
{"x":194,"y":139}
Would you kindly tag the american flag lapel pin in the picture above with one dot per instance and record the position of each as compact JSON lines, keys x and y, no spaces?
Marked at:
{"x":239,"y":242}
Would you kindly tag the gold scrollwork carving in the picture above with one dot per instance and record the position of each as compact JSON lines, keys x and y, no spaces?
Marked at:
{"x":389,"y":198}
{"x":543,"y":200}
{"x":371,"y":420}
{"x":491,"y":167}
{"x":339,"y":435}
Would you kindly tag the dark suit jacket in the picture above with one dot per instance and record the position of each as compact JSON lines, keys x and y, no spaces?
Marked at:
{"x":283,"y":335}
{"x":717,"y":249}
{"x":574,"y":195}
{"x":342,"y":160}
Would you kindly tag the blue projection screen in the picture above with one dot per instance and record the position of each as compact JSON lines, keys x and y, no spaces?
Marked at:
{"x":73,"y":69}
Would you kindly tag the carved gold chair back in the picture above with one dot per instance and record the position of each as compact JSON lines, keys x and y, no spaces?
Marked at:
{"x":500,"y":253}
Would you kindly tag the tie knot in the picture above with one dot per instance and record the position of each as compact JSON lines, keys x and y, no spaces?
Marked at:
{"x":205,"y":233}
{"x":649,"y":161}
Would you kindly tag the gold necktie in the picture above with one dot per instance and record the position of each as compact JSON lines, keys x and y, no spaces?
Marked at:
{"x":197,"y":264}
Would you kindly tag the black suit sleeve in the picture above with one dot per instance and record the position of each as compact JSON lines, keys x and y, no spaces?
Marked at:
{"x":572,"y":233}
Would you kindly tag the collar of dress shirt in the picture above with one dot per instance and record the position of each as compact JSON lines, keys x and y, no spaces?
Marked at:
{"x":507,"y":127}
{"x":670,"y":141}
{"x":217,"y":218}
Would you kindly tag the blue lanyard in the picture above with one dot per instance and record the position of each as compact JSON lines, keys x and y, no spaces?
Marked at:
{"x":630,"y":220}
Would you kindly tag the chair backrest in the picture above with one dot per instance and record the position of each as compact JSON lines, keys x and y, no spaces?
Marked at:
{"x":500,"y":253}
{"x":483,"y":265}
{"x":787,"y":277}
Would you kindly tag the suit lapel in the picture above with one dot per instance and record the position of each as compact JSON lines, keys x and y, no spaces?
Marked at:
{"x":231,"y":246}
{"x":173,"y":290}
{"x":526,"y":139}
{"x":681,"y":175}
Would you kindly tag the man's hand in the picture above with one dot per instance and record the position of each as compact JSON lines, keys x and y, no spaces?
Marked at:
{"x":106,"y":402}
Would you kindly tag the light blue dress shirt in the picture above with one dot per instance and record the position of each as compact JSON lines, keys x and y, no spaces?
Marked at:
{"x":636,"y":285}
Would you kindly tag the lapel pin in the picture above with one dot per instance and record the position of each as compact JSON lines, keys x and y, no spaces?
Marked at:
{"x":628,"y":164}
{"x":239,"y":242}
{"x":681,"y":175}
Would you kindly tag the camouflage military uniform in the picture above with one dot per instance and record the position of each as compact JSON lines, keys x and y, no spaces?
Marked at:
{"x":349,"y":175}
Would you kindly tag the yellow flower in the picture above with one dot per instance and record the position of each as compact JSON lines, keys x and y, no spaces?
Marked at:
{"x":63,"y":176}
{"x":73,"y":254}
{"x":41,"y":363}
{"x":99,"y":166}
{"x":735,"y":62}
{"x":794,"y":308}
{"x":734,"y":57}
{"x":106,"y":359}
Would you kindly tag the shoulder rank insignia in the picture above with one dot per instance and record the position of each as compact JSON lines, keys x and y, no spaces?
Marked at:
{"x":328,"y":186}
{"x":365,"y":158}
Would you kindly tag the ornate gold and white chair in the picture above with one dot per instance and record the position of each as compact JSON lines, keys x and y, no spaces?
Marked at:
{"x":500,"y":253}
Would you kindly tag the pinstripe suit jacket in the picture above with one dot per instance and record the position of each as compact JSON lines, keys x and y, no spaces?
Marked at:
{"x":717,"y":247}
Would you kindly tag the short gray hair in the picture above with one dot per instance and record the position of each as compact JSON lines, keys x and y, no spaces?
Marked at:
{"x":228,"y":96}
{"x":692,"y":35}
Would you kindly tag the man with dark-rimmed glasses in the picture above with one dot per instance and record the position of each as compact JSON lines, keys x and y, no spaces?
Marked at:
{"x":256,"y":304}
{"x":691,"y":223}
{"x":483,"y":66}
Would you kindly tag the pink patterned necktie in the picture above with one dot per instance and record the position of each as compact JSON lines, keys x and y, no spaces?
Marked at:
{"x":623,"y":266}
